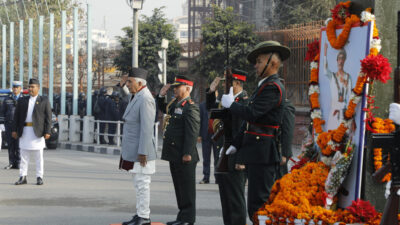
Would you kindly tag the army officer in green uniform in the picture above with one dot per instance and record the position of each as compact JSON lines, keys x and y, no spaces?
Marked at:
{"x":181,"y":130}
{"x":256,"y":142}
{"x":232,"y":184}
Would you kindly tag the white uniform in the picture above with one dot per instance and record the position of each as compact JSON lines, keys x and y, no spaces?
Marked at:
{"x":340,"y":94}
{"x":29,"y":144}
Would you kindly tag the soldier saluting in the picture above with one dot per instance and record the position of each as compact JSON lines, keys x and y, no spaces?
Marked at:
{"x":232,"y":184}
{"x":256,"y":141}
{"x":179,"y":146}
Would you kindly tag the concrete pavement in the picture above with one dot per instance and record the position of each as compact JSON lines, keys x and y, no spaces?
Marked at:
{"x":84,"y":188}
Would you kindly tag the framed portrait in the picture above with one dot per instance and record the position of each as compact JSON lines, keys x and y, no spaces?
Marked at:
{"x":338,"y":72}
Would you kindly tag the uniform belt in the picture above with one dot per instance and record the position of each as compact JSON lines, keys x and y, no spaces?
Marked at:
{"x":28,"y":124}
{"x":262,"y":130}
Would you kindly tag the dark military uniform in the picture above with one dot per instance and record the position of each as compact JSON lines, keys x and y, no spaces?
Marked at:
{"x":256,"y":140}
{"x":180,"y":137}
{"x":232,"y":184}
{"x":7,"y":111}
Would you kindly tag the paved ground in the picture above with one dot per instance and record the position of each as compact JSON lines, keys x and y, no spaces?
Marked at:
{"x":83,"y":188}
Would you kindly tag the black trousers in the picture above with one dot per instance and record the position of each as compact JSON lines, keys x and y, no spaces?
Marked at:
{"x":261,"y":178}
{"x":184,"y":179}
{"x":102,"y":129}
{"x":231,"y":192}
{"x":13,"y":147}
{"x":112,"y":128}
{"x":207,"y":146}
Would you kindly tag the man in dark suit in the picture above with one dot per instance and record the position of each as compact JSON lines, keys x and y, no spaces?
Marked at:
{"x":32,"y":124}
{"x":256,"y":141}
{"x":179,"y":146}
{"x":232,"y":184}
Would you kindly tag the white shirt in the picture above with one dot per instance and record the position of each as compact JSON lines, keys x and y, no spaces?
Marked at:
{"x":31,"y":106}
{"x":29,"y":140}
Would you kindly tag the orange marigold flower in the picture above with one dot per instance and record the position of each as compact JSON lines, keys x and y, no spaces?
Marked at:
{"x":350,"y":110}
{"x":314,"y":76}
{"x":314,"y":100}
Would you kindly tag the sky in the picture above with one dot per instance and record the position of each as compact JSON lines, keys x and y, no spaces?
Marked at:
{"x":116,"y":14}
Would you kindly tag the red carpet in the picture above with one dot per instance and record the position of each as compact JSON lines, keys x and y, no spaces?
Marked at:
{"x":153,"y":223}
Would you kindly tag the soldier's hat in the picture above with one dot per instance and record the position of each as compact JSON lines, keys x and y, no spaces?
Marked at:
{"x":268,"y":47}
{"x":182,"y":80}
{"x":239,"y":75}
{"x":17,"y":83}
{"x":34,"y":81}
{"x":138,"y":72}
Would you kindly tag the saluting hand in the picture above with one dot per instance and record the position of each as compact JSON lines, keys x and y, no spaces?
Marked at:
{"x":186,"y":158}
{"x":214,"y":84}
{"x":143,"y":160}
{"x":46,"y":136}
{"x":164,"y":89}
{"x":14,"y":135}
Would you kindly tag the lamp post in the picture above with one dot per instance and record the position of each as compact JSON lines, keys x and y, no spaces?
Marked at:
{"x":136,"y":5}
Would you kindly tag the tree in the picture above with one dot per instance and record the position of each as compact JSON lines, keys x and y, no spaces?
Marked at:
{"x":152,"y":30}
{"x":222,"y":27}
{"x":302,"y":11}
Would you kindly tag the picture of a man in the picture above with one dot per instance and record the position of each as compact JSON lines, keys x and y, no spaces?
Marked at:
{"x":340,"y":88}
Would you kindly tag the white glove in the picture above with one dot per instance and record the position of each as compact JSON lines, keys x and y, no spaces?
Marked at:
{"x":2,"y":128}
{"x":394,"y":113}
{"x":231,"y":150}
{"x":227,"y":99}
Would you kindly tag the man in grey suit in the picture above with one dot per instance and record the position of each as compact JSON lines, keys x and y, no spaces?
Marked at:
{"x":138,"y":143}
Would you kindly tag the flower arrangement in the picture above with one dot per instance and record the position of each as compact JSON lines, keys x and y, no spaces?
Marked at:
{"x":303,"y":193}
{"x":339,"y":169}
{"x":381,"y":126}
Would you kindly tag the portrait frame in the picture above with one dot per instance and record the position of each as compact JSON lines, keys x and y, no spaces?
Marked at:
{"x":335,"y":93}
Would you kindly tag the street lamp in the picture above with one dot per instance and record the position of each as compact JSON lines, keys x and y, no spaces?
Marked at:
{"x":135,"y":5}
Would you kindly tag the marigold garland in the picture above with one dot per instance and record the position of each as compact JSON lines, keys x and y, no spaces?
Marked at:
{"x":340,"y":41}
{"x":381,"y":126}
{"x":301,"y":193}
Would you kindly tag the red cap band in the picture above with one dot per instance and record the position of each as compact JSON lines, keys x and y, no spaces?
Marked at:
{"x":188,"y":82}
{"x":239,"y":77}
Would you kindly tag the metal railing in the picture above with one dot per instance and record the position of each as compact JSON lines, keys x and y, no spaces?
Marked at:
{"x":118,"y":129}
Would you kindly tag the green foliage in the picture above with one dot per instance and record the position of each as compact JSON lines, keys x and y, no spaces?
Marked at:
{"x":213,"y":58}
{"x":302,"y":11}
{"x":151,"y":31}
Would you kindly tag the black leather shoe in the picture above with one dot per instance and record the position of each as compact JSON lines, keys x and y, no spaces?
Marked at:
{"x":39,"y":181}
{"x":204,"y":181}
{"x":8,"y":167}
{"x":173,"y":222}
{"x":15,"y":167}
{"x":141,"y":221}
{"x":22,"y":180}
{"x":183,"y":223}
{"x":131,"y":221}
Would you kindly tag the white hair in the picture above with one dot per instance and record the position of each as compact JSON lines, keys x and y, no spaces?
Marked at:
{"x":141,"y":80}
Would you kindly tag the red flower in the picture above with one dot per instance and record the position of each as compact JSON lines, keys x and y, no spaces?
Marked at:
{"x":341,"y":12}
{"x":313,"y":50}
{"x":376,"y":68}
{"x":363,"y":210}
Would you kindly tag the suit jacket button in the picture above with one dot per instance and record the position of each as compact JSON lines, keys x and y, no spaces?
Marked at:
{"x":258,"y":137}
